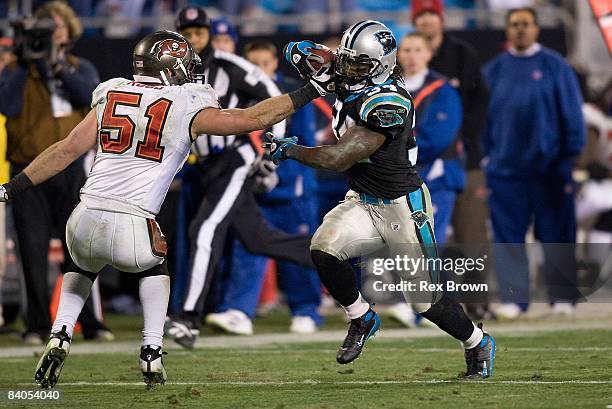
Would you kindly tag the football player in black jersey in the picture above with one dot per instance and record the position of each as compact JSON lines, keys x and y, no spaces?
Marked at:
{"x":387,"y":204}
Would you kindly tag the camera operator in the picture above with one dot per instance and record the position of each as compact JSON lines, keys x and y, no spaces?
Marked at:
{"x":44,"y":94}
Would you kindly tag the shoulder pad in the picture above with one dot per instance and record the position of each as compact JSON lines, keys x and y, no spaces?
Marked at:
{"x":384,"y":108}
{"x":201,"y":95}
{"x":99,"y":94}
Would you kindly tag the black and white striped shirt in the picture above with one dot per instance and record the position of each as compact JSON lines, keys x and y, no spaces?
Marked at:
{"x":238,"y":84}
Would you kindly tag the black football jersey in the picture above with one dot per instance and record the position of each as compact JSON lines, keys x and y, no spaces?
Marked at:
{"x":388,"y":109}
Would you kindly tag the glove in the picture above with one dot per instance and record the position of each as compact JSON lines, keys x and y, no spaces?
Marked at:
{"x":4,"y":197}
{"x":262,"y":167}
{"x":314,"y":62}
{"x":276,"y":147}
{"x":264,"y":171}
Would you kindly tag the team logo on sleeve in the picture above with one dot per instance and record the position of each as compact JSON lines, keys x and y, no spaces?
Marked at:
{"x":173,"y":48}
{"x":389,"y":117}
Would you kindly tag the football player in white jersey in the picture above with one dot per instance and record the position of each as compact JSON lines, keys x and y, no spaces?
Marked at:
{"x":143,"y":129}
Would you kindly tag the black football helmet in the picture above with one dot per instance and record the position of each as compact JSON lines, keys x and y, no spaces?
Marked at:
{"x":167,"y":56}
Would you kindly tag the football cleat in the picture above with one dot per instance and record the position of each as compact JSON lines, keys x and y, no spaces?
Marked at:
{"x":152,"y":365}
{"x":231,"y":321}
{"x":359,"y":332}
{"x":181,"y":331}
{"x":480,"y":359}
{"x":52,"y":361}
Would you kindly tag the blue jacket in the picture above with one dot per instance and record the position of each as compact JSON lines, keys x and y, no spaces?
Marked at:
{"x":534,"y":121}
{"x":438,"y":120}
{"x":295,"y":180}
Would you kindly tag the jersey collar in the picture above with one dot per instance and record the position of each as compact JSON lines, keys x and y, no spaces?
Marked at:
{"x":145,"y":78}
{"x":355,"y":95}
{"x":534,"y":49}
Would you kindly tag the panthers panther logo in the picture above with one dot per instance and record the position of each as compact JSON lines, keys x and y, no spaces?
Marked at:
{"x":387,"y":40}
{"x":173,"y":48}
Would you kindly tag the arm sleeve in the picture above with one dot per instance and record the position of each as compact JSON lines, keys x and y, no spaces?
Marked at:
{"x":12,"y":84}
{"x":440,"y":125}
{"x":80,"y":83}
{"x":475,"y":96}
{"x":569,"y":105}
{"x":253,"y":84}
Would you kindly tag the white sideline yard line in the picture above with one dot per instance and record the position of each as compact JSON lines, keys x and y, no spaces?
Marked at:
{"x":272,"y":340}
{"x":315,"y":382}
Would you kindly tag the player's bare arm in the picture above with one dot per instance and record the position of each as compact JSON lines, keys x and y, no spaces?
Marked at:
{"x":57,"y":156}
{"x":356,"y":144}
{"x":260,"y":116}
{"x":61,"y":154}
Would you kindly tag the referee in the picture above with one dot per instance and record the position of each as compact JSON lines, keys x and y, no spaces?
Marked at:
{"x":225,"y":164}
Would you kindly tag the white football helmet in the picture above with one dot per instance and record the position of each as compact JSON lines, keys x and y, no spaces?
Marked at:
{"x":366,"y":56}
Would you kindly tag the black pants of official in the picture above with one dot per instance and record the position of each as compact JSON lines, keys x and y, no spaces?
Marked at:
{"x":39,"y":214}
{"x":229,"y":203}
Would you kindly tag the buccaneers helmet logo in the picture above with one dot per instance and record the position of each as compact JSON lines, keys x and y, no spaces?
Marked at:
{"x":173,"y":48}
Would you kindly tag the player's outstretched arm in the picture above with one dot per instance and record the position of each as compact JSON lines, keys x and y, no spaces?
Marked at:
{"x":55,"y":158}
{"x":260,"y":116}
{"x":356,"y":144}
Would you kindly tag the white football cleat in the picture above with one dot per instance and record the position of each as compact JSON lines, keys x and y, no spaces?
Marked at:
{"x":303,"y":324}
{"x":402,"y":313}
{"x":152,"y":365}
{"x":52,"y":360}
{"x":232,"y":321}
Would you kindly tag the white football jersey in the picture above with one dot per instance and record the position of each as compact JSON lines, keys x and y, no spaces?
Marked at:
{"x":143,"y":140}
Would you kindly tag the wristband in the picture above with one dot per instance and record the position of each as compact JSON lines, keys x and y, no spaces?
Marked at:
{"x":18,"y":184}
{"x":304,"y":95}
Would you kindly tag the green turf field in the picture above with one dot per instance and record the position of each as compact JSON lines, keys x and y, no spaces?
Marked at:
{"x":553,"y":369}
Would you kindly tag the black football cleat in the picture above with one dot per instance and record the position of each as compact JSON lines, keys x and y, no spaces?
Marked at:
{"x":480,"y":359}
{"x":359,"y":332}
{"x":52,"y":360}
{"x":152,"y":365}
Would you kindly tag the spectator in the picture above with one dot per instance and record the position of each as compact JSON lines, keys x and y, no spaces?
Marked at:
{"x":43,"y":99}
{"x":458,"y":61}
{"x":438,"y":119}
{"x":290,"y":206}
{"x":534,"y":131}
{"x":224,"y":36}
{"x":6,"y":44}
{"x":437,"y":122}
